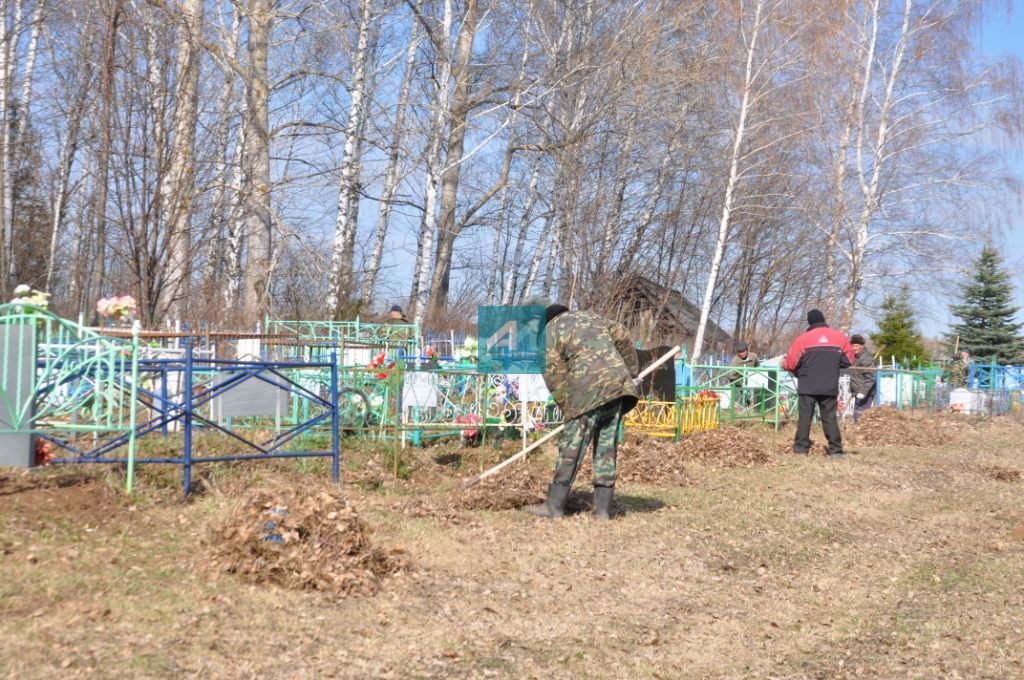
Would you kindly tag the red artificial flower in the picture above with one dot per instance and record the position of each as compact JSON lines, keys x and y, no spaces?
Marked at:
{"x":44,"y":451}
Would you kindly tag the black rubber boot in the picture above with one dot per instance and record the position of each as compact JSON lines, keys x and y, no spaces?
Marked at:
{"x":603,"y":501}
{"x":554,"y":506}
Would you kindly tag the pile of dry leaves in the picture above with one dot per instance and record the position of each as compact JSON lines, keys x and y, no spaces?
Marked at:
{"x":886,"y":426}
{"x":303,"y":538}
{"x":724,"y":447}
{"x":641,"y":460}
{"x":520,"y":484}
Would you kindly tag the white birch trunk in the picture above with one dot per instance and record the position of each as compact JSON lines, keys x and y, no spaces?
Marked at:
{"x":870,"y":187}
{"x":549,"y":276}
{"x":391,"y":175}
{"x":342,"y":251}
{"x":6,"y":172}
{"x":492,"y":295}
{"x":512,"y":278}
{"x":420,"y":294}
{"x":236,"y":240}
{"x":538,"y":257}
{"x":730,"y":187}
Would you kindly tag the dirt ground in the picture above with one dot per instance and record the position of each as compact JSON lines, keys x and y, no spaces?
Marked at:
{"x":727,"y":558}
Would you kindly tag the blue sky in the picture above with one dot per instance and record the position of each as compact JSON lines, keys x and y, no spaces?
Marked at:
{"x":1003,"y":34}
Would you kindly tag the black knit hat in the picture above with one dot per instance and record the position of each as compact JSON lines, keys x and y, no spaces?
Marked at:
{"x":554,"y":310}
{"x":857,"y":340}
{"x":742,"y":347}
{"x":815,"y":316}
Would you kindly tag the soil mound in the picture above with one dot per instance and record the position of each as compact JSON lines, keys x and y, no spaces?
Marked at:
{"x":31,"y":498}
{"x":302,"y":538}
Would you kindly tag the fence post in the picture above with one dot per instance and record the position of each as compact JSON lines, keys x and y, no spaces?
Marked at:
{"x":187,"y":411}
{"x":335,"y":444}
{"x":679,"y":418}
{"x":163,"y":397}
{"x":132,"y":405}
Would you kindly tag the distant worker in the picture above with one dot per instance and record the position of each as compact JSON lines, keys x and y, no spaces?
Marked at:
{"x":815,"y":358}
{"x":862,"y":377}
{"x":742,"y":358}
{"x":396,"y":315}
{"x":960,"y":369}
{"x":590,"y":370}
{"x":399,"y":336}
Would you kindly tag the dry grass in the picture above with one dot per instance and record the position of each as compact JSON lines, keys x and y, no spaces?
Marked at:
{"x":897,"y":562}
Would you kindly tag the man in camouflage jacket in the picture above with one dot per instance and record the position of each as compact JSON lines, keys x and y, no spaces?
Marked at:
{"x":746,"y":359}
{"x":960,"y":369}
{"x":590,"y":367}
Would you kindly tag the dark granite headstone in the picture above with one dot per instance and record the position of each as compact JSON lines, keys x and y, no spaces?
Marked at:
{"x":661,"y":384}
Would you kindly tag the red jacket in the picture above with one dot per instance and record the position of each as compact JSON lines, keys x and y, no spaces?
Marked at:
{"x":816,"y":357}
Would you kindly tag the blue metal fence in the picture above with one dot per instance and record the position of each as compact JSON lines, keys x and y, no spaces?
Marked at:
{"x":188,"y":395}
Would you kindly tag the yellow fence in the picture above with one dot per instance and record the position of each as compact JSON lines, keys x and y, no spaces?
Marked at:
{"x":674,"y":418}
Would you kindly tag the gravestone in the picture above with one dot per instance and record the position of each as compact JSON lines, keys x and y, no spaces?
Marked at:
{"x":661,"y":384}
{"x":18,"y":352}
{"x":252,"y":397}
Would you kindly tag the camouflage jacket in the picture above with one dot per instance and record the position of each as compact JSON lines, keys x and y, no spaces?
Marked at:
{"x":957,"y":374}
{"x":862,"y":374}
{"x":589,"y":361}
{"x":750,"y":362}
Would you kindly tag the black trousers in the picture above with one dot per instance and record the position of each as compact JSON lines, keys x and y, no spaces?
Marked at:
{"x":829,"y":423}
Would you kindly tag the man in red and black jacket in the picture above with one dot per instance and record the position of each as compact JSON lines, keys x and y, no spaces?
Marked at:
{"x":815,"y":358}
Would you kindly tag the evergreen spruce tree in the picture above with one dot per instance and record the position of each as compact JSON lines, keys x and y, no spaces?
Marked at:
{"x":896,"y":335}
{"x":987,"y":327}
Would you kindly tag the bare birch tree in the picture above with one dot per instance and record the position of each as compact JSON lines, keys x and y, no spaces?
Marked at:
{"x":343,"y":250}
{"x":391,"y":175}
{"x":177,"y":191}
{"x":756,"y":84}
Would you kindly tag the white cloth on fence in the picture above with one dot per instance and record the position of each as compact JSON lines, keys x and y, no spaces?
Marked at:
{"x":531,"y":387}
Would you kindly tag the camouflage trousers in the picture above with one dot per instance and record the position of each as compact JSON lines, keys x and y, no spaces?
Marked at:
{"x":600,"y":426}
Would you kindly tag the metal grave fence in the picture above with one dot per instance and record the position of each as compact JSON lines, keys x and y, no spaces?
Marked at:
{"x":212,"y":408}
{"x":63,"y":385}
{"x":763,"y":393}
{"x":685,"y":415}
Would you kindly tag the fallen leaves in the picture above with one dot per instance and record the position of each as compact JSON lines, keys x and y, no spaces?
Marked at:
{"x":304,"y":538}
{"x":890,"y":427}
